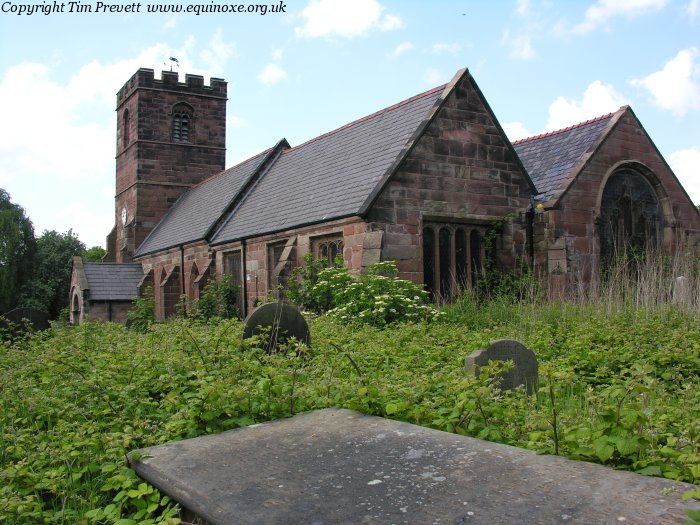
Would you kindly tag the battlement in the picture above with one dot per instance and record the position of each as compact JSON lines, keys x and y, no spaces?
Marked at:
{"x":193,"y":85}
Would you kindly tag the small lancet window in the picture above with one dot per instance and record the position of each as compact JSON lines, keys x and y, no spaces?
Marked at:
{"x":182,"y":123}
{"x":125,"y":128}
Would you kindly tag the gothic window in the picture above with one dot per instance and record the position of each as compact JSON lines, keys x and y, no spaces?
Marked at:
{"x":125,"y":128}
{"x":182,"y":122}
{"x":328,"y":248}
{"x":452,"y":256}
{"x":630,"y":216}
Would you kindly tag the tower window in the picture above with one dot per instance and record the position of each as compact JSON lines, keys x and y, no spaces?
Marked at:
{"x":125,"y":128}
{"x":182,"y":123}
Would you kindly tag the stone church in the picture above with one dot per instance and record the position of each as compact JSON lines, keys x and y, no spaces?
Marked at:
{"x":419,"y":183}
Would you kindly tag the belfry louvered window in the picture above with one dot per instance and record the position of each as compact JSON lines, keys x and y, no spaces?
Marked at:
{"x":182,"y":123}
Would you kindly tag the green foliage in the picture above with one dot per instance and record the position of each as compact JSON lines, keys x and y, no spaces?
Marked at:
{"x":302,"y":286}
{"x":219,"y":299}
{"x":95,"y":254}
{"x":17,"y":248}
{"x":618,"y":389}
{"x":50,"y":283}
{"x":143,"y":314}
{"x":377,"y":297}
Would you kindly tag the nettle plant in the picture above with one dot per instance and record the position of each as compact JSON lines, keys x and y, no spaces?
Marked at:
{"x":377,"y":297}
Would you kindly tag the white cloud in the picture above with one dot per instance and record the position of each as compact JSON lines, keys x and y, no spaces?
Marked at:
{"x":685,"y":164}
{"x":442,"y":47}
{"x":598,"y":14}
{"x":277,"y":54}
{"x":521,"y":47}
{"x":345,"y":18}
{"x":433,"y":77}
{"x":522,"y":8}
{"x":515,"y":130}
{"x":59,"y":144}
{"x":217,"y":53}
{"x":89,"y":225}
{"x":402,"y":48}
{"x":676,"y":87}
{"x":272,"y":74}
{"x":693,"y":7}
{"x":598,"y":99}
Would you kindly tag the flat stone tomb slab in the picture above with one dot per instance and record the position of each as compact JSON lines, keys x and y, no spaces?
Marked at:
{"x":337,"y":466}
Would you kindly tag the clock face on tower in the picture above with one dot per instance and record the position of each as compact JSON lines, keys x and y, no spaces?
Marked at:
{"x":124,"y":216}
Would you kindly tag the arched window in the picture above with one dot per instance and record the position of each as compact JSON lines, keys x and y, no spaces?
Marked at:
{"x":630,"y":216}
{"x":182,"y":122}
{"x":125,"y":128}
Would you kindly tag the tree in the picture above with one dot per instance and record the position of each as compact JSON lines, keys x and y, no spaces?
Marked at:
{"x":17,"y":249}
{"x":49,"y":286}
{"x":94,"y":254}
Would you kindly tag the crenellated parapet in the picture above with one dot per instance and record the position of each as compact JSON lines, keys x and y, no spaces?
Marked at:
{"x":170,"y":81}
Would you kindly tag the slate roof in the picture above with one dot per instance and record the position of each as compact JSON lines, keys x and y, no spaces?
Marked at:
{"x":197,"y":210}
{"x":550,"y":158}
{"x":330,"y":176}
{"x":113,"y":282}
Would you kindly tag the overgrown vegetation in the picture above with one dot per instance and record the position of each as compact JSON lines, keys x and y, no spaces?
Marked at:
{"x":377,"y":297}
{"x":618,"y":386}
{"x":219,"y":300}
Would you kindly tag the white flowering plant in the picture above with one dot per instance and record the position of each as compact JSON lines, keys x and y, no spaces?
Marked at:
{"x":376,"y":297}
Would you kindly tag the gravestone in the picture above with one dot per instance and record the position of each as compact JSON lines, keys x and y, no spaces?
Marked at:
{"x":279,"y":322}
{"x":681,"y":291}
{"x":524,"y":371}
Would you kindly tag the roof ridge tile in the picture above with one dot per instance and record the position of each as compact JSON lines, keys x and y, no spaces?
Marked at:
{"x":563,"y":130}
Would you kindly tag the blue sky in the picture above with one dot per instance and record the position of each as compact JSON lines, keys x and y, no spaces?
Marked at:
{"x":541,"y":64}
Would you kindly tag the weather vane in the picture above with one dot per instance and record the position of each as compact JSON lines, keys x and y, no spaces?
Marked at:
{"x":173,"y":61}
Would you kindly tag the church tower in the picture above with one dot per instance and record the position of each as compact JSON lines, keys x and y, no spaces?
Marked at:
{"x":170,"y":136}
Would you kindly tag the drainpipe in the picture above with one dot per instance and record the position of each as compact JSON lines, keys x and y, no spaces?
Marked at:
{"x":245,"y":279}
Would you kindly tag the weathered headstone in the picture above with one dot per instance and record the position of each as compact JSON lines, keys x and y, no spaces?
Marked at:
{"x":681,"y":291}
{"x":524,"y":371}
{"x":278,"y":322}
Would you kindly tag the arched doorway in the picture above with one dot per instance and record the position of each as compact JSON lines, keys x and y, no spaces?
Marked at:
{"x":631,"y":218}
{"x":75,"y":307}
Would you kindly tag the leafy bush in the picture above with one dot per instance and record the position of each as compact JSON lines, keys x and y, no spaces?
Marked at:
{"x":219,"y":299}
{"x":303,"y":289}
{"x":377,"y":298}
{"x":143,"y":313}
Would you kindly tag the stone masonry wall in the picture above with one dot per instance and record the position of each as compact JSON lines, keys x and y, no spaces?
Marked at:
{"x":572,"y":237}
{"x":353,"y":231}
{"x":462,"y":170}
{"x":153,"y":169}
